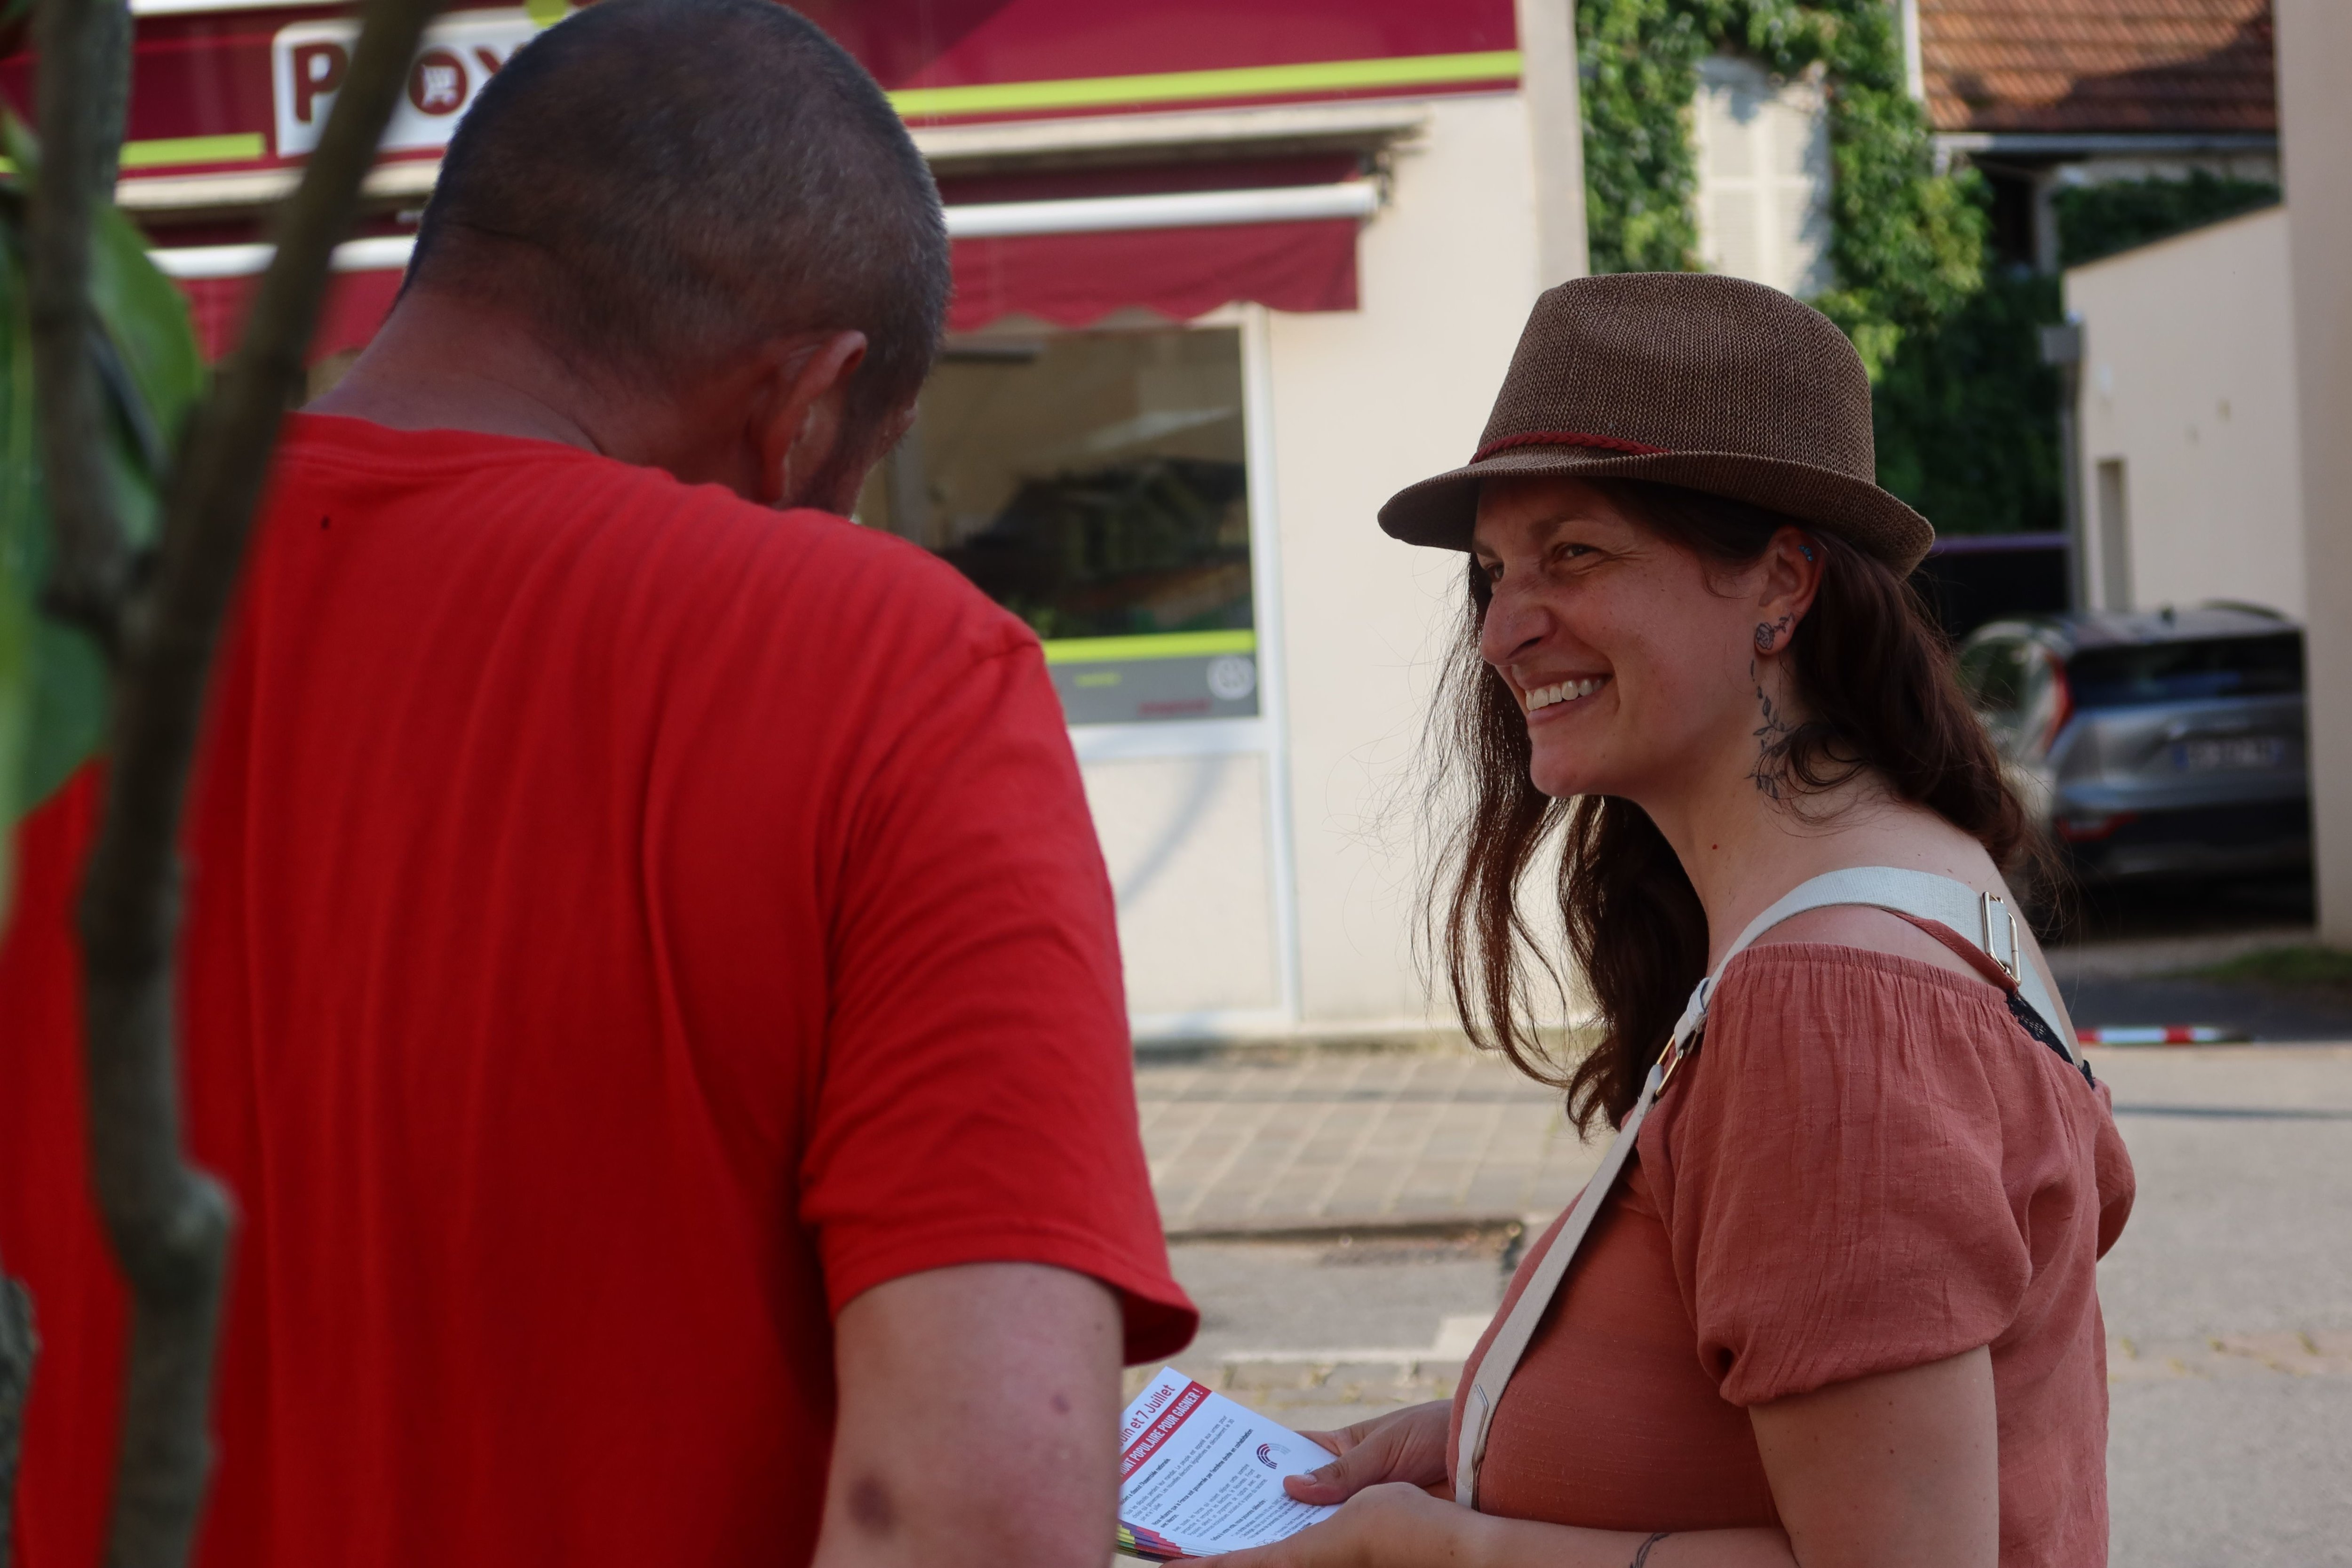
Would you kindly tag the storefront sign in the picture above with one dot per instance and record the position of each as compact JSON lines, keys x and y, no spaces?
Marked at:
{"x":1143,"y":679}
{"x":954,"y":57}
{"x":214,"y":78}
{"x":308,"y":59}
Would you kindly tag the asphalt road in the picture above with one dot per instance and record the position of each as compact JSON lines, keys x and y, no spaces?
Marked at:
{"x":2131,"y":955}
{"x":2271,"y":1014}
{"x":2244,"y":1229}
{"x":2229,"y":1304}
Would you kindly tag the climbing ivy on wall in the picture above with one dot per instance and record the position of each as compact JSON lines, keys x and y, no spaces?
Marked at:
{"x":1639,"y":60}
{"x":1966,"y":413}
{"x":1908,"y":245}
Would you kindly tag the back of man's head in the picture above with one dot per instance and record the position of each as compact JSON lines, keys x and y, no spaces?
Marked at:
{"x":658,"y":185}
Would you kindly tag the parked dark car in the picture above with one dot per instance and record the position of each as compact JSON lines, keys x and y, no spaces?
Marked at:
{"x":2167,"y":744}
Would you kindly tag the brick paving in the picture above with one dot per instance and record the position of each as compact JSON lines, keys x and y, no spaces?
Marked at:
{"x":1263,"y":1143}
{"x":1254,"y":1144}
{"x":1303,"y":1391}
{"x":2229,"y":1351}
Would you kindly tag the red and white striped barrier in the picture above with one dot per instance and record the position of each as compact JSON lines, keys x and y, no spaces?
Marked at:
{"x":2160,"y":1035}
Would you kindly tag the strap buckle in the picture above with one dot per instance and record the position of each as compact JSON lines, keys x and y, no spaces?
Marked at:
{"x":1668,"y":1060}
{"x":1688,"y":1028}
{"x":1995,"y":913}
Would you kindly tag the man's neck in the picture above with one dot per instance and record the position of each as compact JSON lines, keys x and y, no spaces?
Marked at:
{"x":442,"y":364}
{"x":767,"y":423}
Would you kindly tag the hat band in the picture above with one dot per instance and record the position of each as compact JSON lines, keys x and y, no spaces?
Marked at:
{"x":1565,"y":438}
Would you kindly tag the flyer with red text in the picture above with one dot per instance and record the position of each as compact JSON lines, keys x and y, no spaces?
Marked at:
{"x":1200,"y":1475}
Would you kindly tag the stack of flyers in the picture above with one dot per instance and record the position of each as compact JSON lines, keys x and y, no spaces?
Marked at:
{"x":1200,"y":1475}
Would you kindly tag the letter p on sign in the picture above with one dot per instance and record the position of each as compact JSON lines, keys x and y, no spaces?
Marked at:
{"x":307,"y":61}
{"x":318,"y":70}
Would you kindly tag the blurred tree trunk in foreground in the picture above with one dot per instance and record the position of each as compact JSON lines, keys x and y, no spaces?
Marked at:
{"x":16,"y":1346}
{"x":144,"y":540}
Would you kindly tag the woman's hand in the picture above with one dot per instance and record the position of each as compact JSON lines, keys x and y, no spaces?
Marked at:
{"x":1406,"y":1445}
{"x":1388,"y":1525}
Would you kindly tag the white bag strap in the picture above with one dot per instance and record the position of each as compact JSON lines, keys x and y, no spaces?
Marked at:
{"x":1986,"y":917}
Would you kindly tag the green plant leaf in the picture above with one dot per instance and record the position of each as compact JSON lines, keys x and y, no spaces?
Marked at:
{"x":18,"y":534}
{"x":53,"y":679}
{"x":16,"y":719}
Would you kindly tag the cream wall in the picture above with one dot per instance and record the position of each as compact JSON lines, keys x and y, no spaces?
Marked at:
{"x":2315,"y":62}
{"x":1549,"y":81}
{"x":1346,"y":409}
{"x":2188,"y":378}
{"x":1186,"y":843}
{"x":1363,"y":405}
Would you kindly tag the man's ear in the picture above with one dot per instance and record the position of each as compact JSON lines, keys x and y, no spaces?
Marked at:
{"x":797,"y":422}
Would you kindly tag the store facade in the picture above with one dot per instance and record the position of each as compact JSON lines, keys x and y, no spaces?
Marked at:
{"x":1226,"y":276}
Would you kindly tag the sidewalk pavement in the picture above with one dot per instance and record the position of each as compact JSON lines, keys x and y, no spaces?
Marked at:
{"x":1306,"y":1393}
{"x":1309,"y":1142}
{"x":1348,"y":1144}
{"x":1315,"y":1159}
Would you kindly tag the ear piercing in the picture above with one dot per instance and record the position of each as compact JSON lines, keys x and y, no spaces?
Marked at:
{"x":1765,"y":638}
{"x":1807,"y":551}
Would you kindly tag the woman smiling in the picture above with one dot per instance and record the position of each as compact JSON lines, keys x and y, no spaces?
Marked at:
{"x":1831,"y":1298}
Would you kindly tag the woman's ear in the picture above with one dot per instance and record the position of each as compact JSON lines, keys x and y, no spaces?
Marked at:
{"x":1792,"y":577}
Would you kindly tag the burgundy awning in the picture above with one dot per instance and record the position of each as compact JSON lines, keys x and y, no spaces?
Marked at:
{"x":1075,"y":279}
{"x":354,"y":308}
{"x":1069,"y":280}
{"x":1177,"y":242}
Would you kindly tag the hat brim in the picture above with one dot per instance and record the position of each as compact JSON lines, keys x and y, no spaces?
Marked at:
{"x":1441,"y":512}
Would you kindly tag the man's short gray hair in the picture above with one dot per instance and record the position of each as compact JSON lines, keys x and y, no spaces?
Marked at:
{"x":661,"y":183}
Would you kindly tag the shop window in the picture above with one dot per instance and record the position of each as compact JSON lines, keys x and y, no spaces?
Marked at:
{"x":1095,"y":485}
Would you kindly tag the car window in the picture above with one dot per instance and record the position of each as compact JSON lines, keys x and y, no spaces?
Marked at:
{"x":2266,"y":666}
{"x":1993,"y":672}
{"x":2041,"y":699}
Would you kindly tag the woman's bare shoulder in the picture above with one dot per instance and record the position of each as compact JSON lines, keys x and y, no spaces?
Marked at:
{"x":1859,"y":925}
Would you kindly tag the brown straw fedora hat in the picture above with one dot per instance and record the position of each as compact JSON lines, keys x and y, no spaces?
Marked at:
{"x":1686,"y":378}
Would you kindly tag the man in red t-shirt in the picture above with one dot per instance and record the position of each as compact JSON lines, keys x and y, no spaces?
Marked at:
{"x":649,"y":979}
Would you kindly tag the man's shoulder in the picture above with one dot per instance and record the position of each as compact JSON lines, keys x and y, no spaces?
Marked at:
{"x":872,"y":596}
{"x":693,"y":558}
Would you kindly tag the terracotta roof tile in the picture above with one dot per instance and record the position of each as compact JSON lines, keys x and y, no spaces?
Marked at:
{"x":2098,"y":65}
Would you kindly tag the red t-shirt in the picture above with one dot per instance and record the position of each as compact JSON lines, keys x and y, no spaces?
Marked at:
{"x":625,"y":924}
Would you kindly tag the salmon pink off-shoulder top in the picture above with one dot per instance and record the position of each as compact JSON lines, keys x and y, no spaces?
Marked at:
{"x":1869,"y":1166}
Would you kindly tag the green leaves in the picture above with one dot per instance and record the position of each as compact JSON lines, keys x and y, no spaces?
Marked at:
{"x":1967,"y":415}
{"x":2097,"y":221}
{"x":1639,"y":60}
{"x":1906,"y":243}
{"x":17,"y":507}
{"x":1964,"y":410}
{"x":53,"y":678}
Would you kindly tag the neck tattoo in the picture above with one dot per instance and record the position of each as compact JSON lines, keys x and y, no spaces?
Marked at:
{"x":1774,"y":739}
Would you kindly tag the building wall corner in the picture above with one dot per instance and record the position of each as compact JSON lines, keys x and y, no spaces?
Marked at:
{"x":1547,"y":80}
{"x":2315,"y":60}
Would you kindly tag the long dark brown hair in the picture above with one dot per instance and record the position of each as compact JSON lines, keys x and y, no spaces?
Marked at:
{"x":1873,"y":673}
